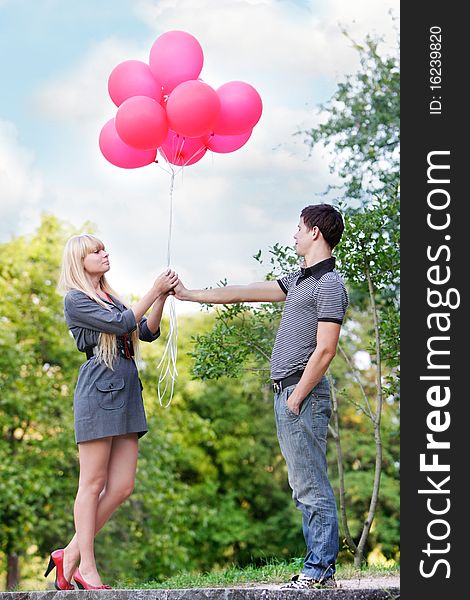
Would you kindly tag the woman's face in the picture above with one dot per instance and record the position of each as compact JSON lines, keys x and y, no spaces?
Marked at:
{"x":96,"y":262}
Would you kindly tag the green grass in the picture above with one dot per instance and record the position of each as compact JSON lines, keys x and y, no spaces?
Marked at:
{"x":273,"y":572}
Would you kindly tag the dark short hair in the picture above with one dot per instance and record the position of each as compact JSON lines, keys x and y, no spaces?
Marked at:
{"x":328,"y":220}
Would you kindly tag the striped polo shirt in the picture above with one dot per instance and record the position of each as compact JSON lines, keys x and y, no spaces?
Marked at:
{"x":315,"y":293}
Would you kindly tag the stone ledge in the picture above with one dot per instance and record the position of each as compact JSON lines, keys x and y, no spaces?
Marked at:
{"x":392,"y":593}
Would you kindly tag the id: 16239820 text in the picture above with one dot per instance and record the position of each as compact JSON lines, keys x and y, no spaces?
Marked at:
{"x":435,"y":69}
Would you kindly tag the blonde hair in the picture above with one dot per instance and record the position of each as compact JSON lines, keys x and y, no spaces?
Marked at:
{"x":73,"y":276}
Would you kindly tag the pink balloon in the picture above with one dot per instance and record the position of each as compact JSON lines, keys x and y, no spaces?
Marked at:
{"x":120,"y":154}
{"x":175,"y":56}
{"x":141,"y":122}
{"x":227,"y":143}
{"x":240,"y":108}
{"x":192,"y":108}
{"x":132,"y":78}
{"x":182,"y":151}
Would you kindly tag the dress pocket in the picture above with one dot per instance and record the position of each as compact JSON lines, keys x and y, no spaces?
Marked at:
{"x":111,"y":393}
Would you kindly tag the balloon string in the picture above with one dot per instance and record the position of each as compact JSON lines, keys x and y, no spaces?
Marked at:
{"x":190,"y":159}
{"x":170,"y":224}
{"x":167,"y":364}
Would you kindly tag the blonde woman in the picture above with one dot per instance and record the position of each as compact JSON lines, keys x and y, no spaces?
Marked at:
{"x":109,"y":414}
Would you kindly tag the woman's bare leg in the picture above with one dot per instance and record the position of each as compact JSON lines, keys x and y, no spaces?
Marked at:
{"x":94,"y":459}
{"x":120,"y":477}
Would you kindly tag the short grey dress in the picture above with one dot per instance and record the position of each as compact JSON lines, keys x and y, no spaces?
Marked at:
{"x":106,"y":402}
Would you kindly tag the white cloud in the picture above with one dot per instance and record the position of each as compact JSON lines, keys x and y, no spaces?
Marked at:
{"x":215,"y":200}
{"x":22,"y":186}
{"x":81,"y":93}
{"x":277,"y":46}
{"x":363,"y":17}
{"x":227,"y":206}
{"x":243,"y":39}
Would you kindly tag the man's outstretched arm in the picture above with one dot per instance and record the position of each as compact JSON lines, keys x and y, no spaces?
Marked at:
{"x":262,"y":291}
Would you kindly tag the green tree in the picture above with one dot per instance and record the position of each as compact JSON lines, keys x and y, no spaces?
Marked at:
{"x":243,"y":334}
{"x":362,"y":132}
{"x":36,"y":354}
{"x":352,"y":382}
{"x":211,"y":481}
{"x":252,"y":328}
{"x":362,"y":124}
{"x":369,"y":258}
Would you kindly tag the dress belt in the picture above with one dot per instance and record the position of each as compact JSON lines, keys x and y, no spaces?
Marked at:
{"x":125,"y":348}
{"x":90,"y":351}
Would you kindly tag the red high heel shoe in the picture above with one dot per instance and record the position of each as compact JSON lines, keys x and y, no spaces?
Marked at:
{"x":83,"y":585}
{"x":57,"y":560}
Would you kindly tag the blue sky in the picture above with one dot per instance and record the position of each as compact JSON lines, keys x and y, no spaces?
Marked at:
{"x":55,"y":58}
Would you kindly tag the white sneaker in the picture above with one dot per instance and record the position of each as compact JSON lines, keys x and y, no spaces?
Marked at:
{"x":304,"y":582}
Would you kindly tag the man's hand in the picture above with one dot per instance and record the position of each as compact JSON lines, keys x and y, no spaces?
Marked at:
{"x":181,"y":293}
{"x":294,"y":402}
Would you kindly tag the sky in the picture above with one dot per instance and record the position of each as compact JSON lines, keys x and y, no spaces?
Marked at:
{"x":55,"y":60}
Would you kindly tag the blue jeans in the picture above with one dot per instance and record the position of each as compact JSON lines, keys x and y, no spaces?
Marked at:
{"x":302,"y":439}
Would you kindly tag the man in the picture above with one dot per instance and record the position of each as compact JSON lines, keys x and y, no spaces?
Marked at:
{"x":315,"y":304}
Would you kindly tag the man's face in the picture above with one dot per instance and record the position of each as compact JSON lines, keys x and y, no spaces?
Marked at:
{"x":303,"y":238}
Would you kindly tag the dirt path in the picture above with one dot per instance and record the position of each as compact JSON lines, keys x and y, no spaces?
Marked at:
{"x":378,"y":582}
{"x":384,"y":582}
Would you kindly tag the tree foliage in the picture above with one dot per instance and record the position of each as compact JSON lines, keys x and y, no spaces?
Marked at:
{"x":362,"y":124}
{"x":212,"y":485}
{"x":36,"y":441}
{"x":211,"y":481}
{"x":243,"y":334}
{"x":361,"y":130}
{"x":370,"y":250}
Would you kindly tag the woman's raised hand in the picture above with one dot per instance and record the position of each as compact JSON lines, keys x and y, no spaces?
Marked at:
{"x":165,"y":282}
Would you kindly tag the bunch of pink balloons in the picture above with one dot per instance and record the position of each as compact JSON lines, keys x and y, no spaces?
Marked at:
{"x":165,"y":107}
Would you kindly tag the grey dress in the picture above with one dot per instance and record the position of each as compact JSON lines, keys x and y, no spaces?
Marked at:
{"x":106,"y":402}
